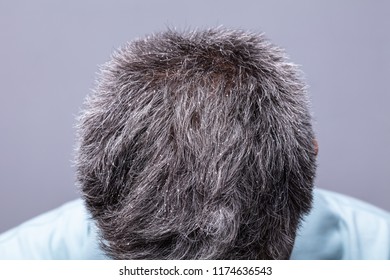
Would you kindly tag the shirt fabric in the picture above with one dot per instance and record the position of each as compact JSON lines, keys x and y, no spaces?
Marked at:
{"x":338,"y":227}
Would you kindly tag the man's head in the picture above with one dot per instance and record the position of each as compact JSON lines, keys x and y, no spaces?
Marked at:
{"x":197,"y":145}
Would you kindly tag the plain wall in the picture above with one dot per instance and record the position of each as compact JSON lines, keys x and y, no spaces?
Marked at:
{"x":50,"y":50}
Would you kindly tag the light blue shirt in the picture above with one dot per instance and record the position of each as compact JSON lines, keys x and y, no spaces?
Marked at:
{"x":338,"y":227}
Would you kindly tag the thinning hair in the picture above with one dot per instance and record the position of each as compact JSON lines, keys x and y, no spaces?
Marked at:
{"x":197,"y":145}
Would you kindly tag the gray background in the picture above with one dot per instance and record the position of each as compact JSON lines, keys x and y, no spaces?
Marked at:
{"x":50,"y":50}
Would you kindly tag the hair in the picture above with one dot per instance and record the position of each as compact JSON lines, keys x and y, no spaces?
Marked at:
{"x":197,"y":145}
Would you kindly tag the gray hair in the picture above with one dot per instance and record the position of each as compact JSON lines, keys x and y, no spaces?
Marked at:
{"x":197,"y":145}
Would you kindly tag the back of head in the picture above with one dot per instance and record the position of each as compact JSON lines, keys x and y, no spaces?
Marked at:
{"x":197,"y":145}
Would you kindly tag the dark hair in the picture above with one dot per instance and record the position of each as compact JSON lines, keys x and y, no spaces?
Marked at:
{"x":197,"y":145}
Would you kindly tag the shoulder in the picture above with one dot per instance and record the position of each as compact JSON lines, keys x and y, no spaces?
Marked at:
{"x":338,"y":227}
{"x":63,"y":233}
{"x":341,"y":227}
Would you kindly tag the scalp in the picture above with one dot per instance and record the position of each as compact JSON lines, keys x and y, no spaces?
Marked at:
{"x":197,"y":145}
